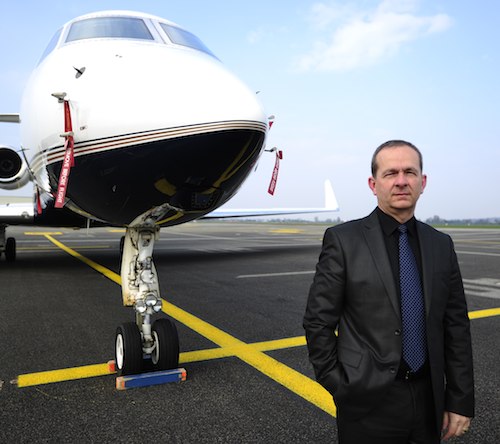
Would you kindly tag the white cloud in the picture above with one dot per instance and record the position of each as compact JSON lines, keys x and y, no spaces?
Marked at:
{"x":363,"y":38}
{"x":322,"y":15}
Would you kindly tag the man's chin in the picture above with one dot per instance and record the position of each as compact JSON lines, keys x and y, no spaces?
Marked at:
{"x":403,"y":203}
{"x":403,"y":207}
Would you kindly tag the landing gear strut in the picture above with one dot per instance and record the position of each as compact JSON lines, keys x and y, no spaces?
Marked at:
{"x":157,"y":341}
{"x":7,"y":245}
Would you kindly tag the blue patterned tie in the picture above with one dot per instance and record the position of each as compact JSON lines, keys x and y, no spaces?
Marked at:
{"x":412,"y":305}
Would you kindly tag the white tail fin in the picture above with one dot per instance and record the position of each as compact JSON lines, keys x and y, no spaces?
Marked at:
{"x":330,"y":199}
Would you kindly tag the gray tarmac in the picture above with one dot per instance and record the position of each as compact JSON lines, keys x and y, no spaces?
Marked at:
{"x":244,"y":282}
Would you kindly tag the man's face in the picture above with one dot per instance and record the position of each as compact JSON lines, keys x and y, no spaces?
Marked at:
{"x":399,"y":182}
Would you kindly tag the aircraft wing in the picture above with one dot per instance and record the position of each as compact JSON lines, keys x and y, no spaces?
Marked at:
{"x":11,"y":118}
{"x":15,"y":210}
{"x":331,"y":205}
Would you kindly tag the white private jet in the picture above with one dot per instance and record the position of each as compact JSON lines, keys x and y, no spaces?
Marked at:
{"x":129,"y":120}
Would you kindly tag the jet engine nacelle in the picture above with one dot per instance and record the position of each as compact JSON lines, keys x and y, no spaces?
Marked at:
{"x":14,"y":172}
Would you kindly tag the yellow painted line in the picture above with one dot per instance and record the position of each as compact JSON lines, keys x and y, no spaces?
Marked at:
{"x":231,"y":346}
{"x":95,"y":370}
{"x":287,"y":231}
{"x":279,"y":344}
{"x":103,"y":270}
{"x":42,"y":233}
{"x":65,"y":374}
{"x":205,"y":355}
{"x":226,"y":352}
{"x":284,"y":375}
{"x":484,"y":313}
{"x":116,"y":230}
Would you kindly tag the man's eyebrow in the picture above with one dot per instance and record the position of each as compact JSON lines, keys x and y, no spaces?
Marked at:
{"x":397,"y":170}
{"x":390,"y":170}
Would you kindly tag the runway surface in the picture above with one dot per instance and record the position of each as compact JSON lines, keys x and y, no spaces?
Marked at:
{"x":237,"y":291}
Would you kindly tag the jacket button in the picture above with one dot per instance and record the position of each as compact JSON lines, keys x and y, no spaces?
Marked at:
{"x":392,"y":370}
{"x":397,"y":332}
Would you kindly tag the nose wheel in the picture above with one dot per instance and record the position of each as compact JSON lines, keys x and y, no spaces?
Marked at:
{"x":165,"y":355}
{"x":129,"y":349}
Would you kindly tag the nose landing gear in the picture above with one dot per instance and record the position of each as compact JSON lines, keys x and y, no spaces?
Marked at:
{"x":140,"y":342}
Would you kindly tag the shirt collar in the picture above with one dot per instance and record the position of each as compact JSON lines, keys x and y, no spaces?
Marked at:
{"x":390,"y":225}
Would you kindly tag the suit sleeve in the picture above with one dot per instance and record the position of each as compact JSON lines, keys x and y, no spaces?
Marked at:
{"x":459,"y":395}
{"x":323,"y":311}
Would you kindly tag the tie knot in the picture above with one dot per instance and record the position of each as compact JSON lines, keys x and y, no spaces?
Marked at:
{"x":403,"y":229}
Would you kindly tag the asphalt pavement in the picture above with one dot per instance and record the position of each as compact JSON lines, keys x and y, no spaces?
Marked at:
{"x":237,"y":292}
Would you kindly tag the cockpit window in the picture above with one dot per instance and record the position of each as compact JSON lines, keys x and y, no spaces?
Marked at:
{"x":185,"y":38}
{"x":52,"y":44}
{"x":109,"y":27}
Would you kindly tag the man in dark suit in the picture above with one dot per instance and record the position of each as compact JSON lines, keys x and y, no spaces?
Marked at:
{"x":400,"y":367}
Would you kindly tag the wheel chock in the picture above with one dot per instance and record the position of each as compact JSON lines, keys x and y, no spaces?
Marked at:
{"x":152,"y":378}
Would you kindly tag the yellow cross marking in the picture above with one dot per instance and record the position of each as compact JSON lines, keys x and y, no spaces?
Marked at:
{"x":252,"y":354}
{"x":286,"y":376}
{"x":94,"y":370}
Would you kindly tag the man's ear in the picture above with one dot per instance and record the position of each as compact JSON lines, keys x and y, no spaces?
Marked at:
{"x":424,"y":182}
{"x":371,"y":184}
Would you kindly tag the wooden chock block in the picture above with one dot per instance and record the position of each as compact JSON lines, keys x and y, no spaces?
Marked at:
{"x":152,"y":378}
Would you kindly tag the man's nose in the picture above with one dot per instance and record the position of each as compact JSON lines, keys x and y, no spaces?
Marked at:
{"x":401,"y":179}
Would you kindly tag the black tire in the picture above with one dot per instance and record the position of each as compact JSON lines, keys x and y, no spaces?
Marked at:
{"x":128,"y":349}
{"x":166,"y":353}
{"x":10,"y":250}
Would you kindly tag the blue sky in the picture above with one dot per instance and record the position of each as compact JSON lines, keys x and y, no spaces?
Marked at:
{"x":341,"y":77}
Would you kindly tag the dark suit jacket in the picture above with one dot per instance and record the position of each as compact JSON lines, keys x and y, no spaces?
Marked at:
{"x":354,"y":291}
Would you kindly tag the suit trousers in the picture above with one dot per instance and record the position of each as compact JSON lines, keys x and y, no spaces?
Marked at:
{"x":405,"y":415}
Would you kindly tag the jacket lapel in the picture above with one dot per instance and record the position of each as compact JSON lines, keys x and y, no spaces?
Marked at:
{"x":375,"y":241}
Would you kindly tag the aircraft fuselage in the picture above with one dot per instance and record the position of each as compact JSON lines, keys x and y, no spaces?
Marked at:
{"x":157,"y":121}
